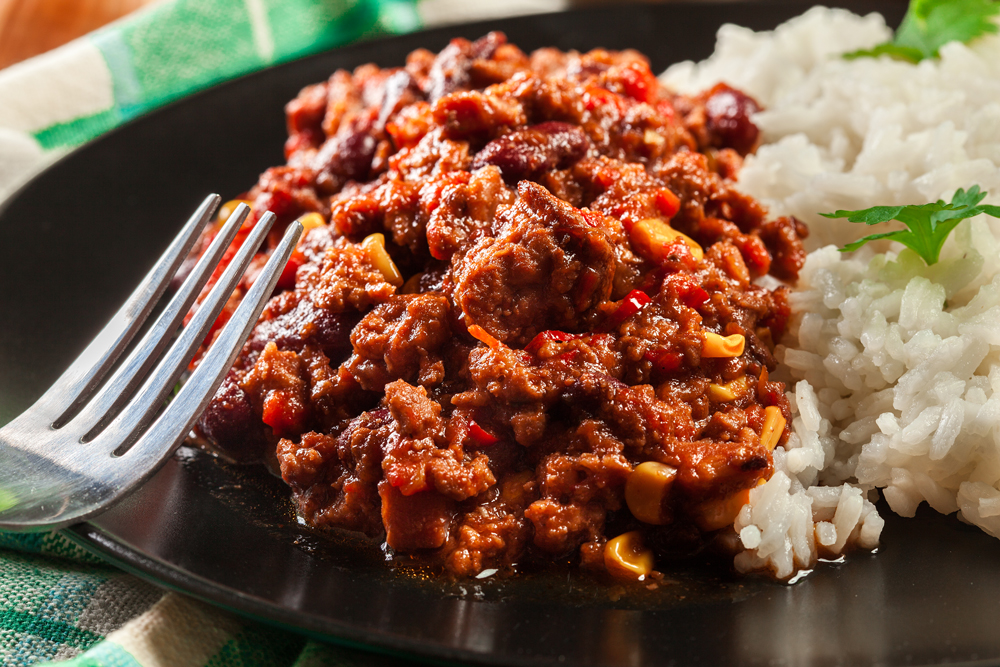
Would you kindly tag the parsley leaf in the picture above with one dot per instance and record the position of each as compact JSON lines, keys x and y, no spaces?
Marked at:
{"x":930,"y":24}
{"x":928,"y":225}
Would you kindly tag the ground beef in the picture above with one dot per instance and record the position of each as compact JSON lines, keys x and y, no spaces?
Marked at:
{"x":516,"y":270}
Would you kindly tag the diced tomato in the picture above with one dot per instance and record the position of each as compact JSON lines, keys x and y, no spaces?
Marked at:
{"x":678,"y":256}
{"x":755,"y":254}
{"x":282,"y":412}
{"x":432,"y":191}
{"x":592,"y":218}
{"x":408,"y":479}
{"x":479,"y":436}
{"x":279,"y":202}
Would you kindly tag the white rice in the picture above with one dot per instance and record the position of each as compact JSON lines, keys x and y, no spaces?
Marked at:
{"x":849,"y":134}
{"x":894,"y":366}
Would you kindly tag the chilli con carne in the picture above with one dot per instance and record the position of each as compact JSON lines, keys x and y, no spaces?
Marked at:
{"x":524,"y":321}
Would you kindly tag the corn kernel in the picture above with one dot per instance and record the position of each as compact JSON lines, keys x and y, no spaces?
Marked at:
{"x":311,"y":221}
{"x":723,"y":393}
{"x":721,"y":512}
{"x":652,"y":138}
{"x":227,"y":209}
{"x":774,"y":426}
{"x":374,"y":246}
{"x":716,"y":346}
{"x":650,"y":238}
{"x":645,"y":490}
{"x":627,"y":557}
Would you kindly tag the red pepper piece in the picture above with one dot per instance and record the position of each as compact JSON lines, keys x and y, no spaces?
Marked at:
{"x":541,"y":339}
{"x":688,"y":292}
{"x":695,"y":297}
{"x":596,"y":96}
{"x":480,"y":437}
{"x":638,"y":82}
{"x":664,"y":360}
{"x":633,"y":302}
{"x":667,"y":202}
{"x":287,"y":278}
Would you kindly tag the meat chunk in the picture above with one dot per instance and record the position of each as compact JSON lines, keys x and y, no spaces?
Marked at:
{"x":402,"y":340}
{"x":466,"y":212}
{"x":418,"y":457}
{"x":547,"y":269}
{"x":335,"y":479}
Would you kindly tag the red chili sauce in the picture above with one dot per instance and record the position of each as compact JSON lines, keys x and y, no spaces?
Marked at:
{"x":481,"y":391}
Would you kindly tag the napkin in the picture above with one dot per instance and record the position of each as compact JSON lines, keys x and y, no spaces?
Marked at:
{"x":59,"y":100}
{"x":58,"y":602}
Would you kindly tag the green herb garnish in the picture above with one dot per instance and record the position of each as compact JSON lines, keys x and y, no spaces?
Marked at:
{"x":930,"y":24}
{"x":928,"y":224}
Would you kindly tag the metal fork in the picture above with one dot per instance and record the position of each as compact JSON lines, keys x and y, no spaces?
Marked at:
{"x":85,"y":444}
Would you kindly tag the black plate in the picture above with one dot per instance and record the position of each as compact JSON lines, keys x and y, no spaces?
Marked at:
{"x":74,"y":242}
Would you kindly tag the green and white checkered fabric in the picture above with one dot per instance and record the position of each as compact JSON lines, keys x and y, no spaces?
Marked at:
{"x":57,"y":602}
{"x":167,"y":50}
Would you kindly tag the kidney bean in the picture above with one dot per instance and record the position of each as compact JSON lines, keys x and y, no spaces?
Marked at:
{"x":728,"y":113}
{"x":528,"y":153}
{"x":348,"y":156}
{"x":450,"y":71}
{"x":229,"y":422}
{"x":394,"y":90}
{"x":307,"y":324}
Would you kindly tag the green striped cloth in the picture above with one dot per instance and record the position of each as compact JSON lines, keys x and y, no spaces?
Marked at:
{"x":57,"y":602}
{"x":169,"y":49}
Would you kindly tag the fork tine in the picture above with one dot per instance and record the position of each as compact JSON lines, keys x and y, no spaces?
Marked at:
{"x":125,"y":428}
{"x":76,"y":384}
{"x":119,"y":389}
{"x":142,"y":460}
{"x":180,"y":416}
{"x":178,"y":419}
